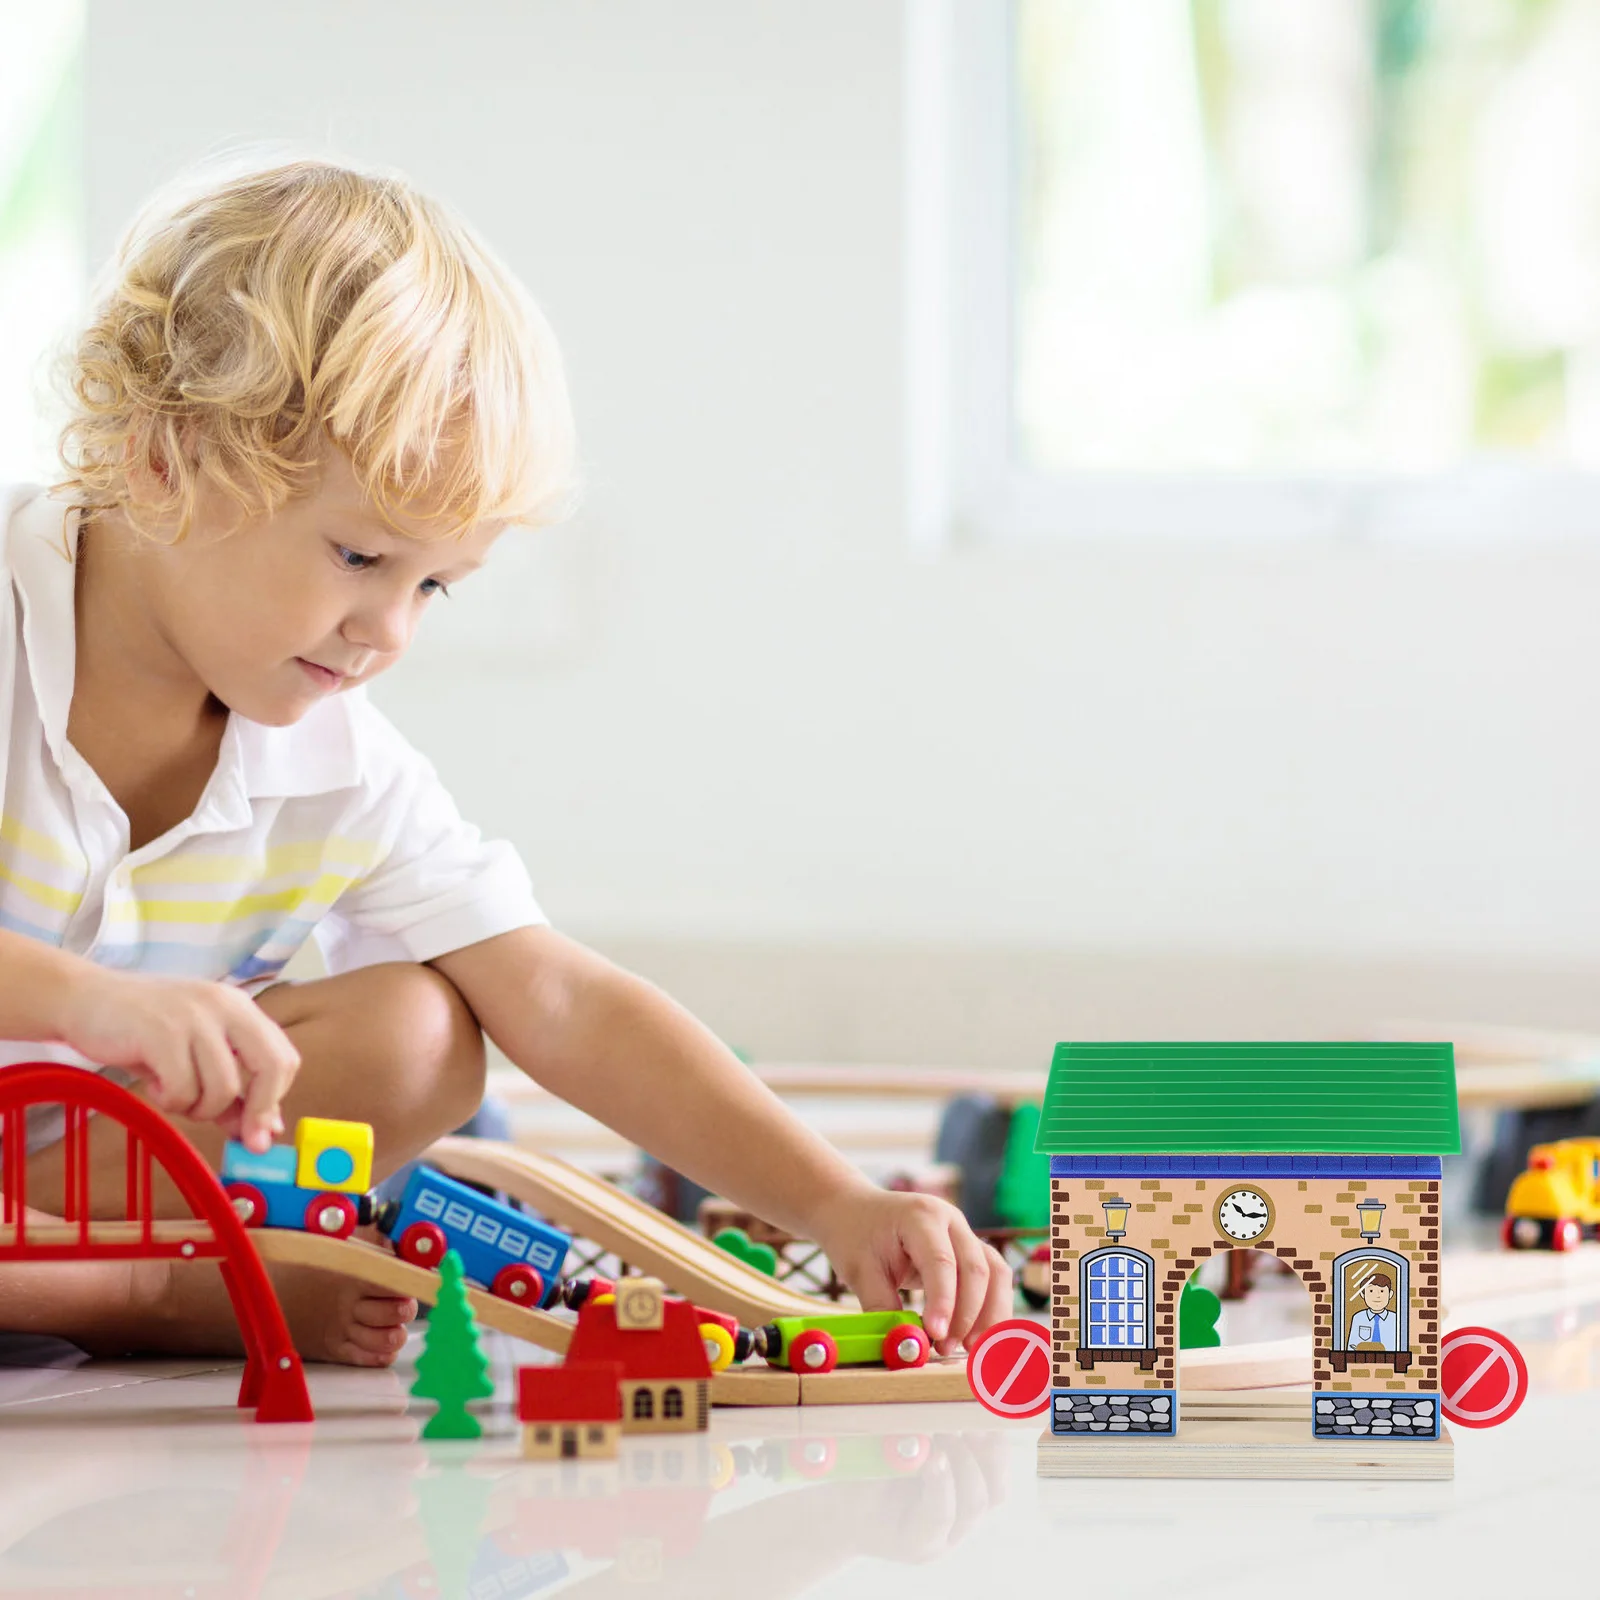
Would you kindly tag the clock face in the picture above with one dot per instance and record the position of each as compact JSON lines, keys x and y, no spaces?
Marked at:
{"x":1244,"y":1214}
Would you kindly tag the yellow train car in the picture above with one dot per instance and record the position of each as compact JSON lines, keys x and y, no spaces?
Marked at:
{"x":1555,"y":1204}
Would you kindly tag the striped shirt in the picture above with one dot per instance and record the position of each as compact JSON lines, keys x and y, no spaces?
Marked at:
{"x":333,"y":828}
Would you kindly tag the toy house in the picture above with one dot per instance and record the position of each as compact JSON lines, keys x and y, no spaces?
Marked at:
{"x":1326,"y":1156}
{"x":570,"y":1412}
{"x":666,"y":1378}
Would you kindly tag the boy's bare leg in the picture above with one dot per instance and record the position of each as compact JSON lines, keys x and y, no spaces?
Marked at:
{"x":393,"y":1045}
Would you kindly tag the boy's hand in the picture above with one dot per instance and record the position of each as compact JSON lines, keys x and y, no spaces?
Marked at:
{"x":210,"y":1052}
{"x":881,"y":1242}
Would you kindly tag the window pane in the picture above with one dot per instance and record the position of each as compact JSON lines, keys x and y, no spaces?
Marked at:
{"x":1328,"y":236}
{"x":1116,"y":1312}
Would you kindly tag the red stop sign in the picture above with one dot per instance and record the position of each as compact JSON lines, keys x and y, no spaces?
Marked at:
{"x":1482,"y":1378}
{"x":1009,"y":1368}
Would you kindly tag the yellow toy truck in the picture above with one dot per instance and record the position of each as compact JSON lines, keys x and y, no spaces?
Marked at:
{"x":1556,"y":1202}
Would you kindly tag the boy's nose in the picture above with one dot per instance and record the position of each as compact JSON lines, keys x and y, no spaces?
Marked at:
{"x":383,"y":631}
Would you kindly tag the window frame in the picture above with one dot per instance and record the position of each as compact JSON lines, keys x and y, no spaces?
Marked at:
{"x":962,"y":485}
{"x":1086,"y":1341}
{"x":1401,"y":1302}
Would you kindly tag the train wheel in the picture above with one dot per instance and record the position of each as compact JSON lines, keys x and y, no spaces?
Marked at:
{"x":1508,"y":1233}
{"x":423,"y":1244}
{"x":519,"y":1284}
{"x":249,"y":1204}
{"x":333,"y":1215}
{"x":905,"y":1346}
{"x":719,"y":1346}
{"x":813,"y":1458}
{"x":723,"y":1469}
{"x":813,"y":1351}
{"x":1523,"y":1233}
{"x":906,"y":1452}
{"x":1566,"y":1235}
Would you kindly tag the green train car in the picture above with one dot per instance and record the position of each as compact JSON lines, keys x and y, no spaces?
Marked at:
{"x":895,"y":1339}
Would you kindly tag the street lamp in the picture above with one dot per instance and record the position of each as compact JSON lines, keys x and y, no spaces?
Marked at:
{"x":1116,"y":1216}
{"x":1371,"y":1214}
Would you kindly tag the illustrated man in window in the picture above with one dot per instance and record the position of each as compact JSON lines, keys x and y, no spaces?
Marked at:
{"x":1373,"y":1327}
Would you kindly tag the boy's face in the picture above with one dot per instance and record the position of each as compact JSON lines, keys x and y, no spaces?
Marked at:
{"x":287,"y":609}
{"x":1377,"y":1296}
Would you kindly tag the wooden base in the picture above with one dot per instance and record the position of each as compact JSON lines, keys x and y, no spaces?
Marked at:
{"x":845,"y":1386}
{"x":755,"y":1386}
{"x":1249,"y":1447}
{"x":877,"y":1386}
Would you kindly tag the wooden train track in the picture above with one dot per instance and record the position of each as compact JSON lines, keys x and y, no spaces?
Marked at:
{"x":354,"y":1258}
{"x":632,"y":1230}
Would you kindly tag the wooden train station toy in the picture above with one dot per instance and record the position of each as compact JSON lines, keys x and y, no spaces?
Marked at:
{"x":1326,"y":1156}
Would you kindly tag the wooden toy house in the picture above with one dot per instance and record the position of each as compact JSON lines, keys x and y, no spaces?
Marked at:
{"x":666,"y":1379}
{"x":1326,"y":1156}
{"x":570,"y":1412}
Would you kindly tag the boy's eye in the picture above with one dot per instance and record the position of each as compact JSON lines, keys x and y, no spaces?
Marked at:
{"x":355,"y":561}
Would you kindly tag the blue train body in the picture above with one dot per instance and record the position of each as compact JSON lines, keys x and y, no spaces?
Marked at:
{"x":488,"y":1236}
{"x":272,"y":1175}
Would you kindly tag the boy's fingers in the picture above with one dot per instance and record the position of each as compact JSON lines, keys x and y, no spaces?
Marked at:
{"x":875,"y":1289}
{"x":270,"y":1062}
{"x":928,"y":1245}
{"x":997,"y":1302}
{"x":260,"y":1118}
{"x":176,"y":1088}
{"x":972,"y":1286}
{"x":217,"y":1076}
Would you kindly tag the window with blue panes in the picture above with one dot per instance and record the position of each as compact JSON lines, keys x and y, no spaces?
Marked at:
{"x":1117,"y":1287}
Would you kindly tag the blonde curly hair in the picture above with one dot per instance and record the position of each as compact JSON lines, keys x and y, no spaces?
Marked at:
{"x":245,"y":322}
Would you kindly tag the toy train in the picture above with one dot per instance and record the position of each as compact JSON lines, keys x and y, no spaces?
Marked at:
{"x":321,"y":1183}
{"x":1555,"y":1204}
{"x":845,"y":1338}
{"x":803,"y":1344}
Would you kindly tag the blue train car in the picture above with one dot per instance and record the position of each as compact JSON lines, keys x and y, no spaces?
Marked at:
{"x":512,"y":1255}
{"x":266,"y":1192}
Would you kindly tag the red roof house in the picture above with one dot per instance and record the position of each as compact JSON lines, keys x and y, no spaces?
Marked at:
{"x":675,"y":1351}
{"x":581,"y":1391}
{"x":666,"y":1378}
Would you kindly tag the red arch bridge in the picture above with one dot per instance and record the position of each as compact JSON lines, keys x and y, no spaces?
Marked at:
{"x":274,"y":1381}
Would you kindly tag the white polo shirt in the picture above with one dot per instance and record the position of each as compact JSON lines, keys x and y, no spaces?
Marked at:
{"x":334,"y":828}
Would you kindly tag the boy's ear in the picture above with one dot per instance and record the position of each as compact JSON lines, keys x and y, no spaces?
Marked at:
{"x":148,"y":466}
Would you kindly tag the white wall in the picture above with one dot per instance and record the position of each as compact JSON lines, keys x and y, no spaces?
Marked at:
{"x":735,"y":707}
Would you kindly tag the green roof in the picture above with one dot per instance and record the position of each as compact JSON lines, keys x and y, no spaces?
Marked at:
{"x":1350,"y":1099}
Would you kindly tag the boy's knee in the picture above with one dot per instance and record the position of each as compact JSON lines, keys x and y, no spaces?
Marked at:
{"x":407,"y":1027}
{"x":423,"y":1020}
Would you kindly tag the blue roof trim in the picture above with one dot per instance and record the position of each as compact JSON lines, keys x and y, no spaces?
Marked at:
{"x":1324,"y":1166}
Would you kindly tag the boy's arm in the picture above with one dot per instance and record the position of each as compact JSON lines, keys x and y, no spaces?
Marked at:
{"x":617,"y":1047}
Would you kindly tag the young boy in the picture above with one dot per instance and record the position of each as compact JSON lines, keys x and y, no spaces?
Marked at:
{"x":308,"y":402}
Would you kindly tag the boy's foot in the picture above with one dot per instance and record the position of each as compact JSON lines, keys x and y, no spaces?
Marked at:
{"x":184,"y":1309}
{"x":112,"y":1308}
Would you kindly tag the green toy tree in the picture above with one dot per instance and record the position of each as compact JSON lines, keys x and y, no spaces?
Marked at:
{"x":1198,"y":1310}
{"x":452,"y":1369}
{"x":451,"y":1505}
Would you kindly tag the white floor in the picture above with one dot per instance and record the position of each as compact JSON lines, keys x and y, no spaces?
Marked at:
{"x":141,"y":1479}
